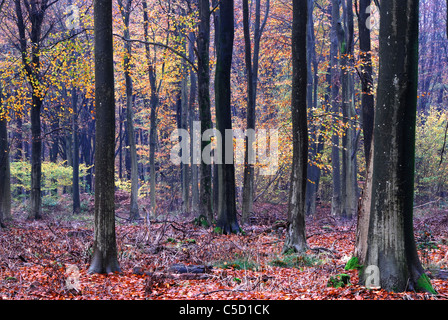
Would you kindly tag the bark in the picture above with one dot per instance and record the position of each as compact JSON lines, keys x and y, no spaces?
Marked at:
{"x":250,"y":116}
{"x":192,"y":117}
{"x":153,"y":102}
{"x":184,"y":118}
{"x":252,"y":63}
{"x":126,"y":12}
{"x":349,"y":140}
{"x":367,"y":106}
{"x":75,"y":188}
{"x":18,"y":138}
{"x":37,"y":10}
{"x":295,"y":234}
{"x":5,"y":174}
{"x":390,"y":242}
{"x":227,"y":215}
{"x":104,"y":248}
{"x":367,"y":98}
{"x":203,"y":43}
{"x":313,"y":172}
{"x":335,"y":80}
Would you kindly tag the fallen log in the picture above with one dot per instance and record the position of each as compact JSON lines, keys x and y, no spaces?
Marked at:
{"x":175,"y":273}
{"x":438,"y":274}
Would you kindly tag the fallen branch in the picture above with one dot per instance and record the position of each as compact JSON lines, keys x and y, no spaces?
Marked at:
{"x":221,"y":290}
{"x":438,"y":274}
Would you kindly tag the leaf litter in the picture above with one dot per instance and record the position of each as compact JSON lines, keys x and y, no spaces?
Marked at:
{"x":35,"y":255}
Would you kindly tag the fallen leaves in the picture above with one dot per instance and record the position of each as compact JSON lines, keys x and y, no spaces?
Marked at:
{"x":35,"y":256}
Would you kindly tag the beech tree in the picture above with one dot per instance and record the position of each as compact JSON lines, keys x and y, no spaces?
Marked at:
{"x":104,"y":258}
{"x":252,"y":65}
{"x":5,"y":183}
{"x":205,"y":117}
{"x":125,"y":9}
{"x":390,"y":241}
{"x":31,"y":61}
{"x":227,"y":216}
{"x":295,"y":235}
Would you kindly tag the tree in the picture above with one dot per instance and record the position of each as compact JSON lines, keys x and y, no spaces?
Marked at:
{"x":5,"y":183}
{"x":153,"y":103}
{"x":295,"y":235}
{"x":368,"y":111}
{"x":227,"y":218}
{"x":349,"y":188}
{"x":391,"y":245}
{"x":205,"y":117}
{"x":335,"y":83}
{"x":32,"y":65}
{"x":252,"y":63}
{"x":367,"y":98}
{"x":125,"y":9}
{"x":75,"y":138}
{"x":104,"y":258}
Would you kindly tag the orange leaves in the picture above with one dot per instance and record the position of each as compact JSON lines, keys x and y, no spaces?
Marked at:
{"x":35,"y":256}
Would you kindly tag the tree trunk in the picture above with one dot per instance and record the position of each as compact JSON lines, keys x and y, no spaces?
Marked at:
{"x":5,"y":174}
{"x":367,"y":106}
{"x":248,"y":187}
{"x":203,"y":43}
{"x":349,"y":182}
{"x":367,"y":98}
{"x":126,"y":12}
{"x":104,"y":248}
{"x":313,"y":172}
{"x":184,"y":118}
{"x":192,"y":118}
{"x":153,"y":102}
{"x":36,"y":160}
{"x":391,"y":248}
{"x":252,"y":63}
{"x":32,"y":68}
{"x":296,"y":233}
{"x":75,"y":189}
{"x":335,"y":81}
{"x":227,"y":215}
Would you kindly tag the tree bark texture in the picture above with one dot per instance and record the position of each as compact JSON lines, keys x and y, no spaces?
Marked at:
{"x":390,"y":243}
{"x":227,"y":215}
{"x":295,"y":234}
{"x":104,"y":248}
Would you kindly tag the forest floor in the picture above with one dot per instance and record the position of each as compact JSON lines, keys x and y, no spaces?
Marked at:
{"x":35,"y":257}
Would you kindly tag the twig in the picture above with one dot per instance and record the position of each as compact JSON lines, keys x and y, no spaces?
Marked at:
{"x":425,"y":204}
{"x":180,"y":54}
{"x":221,"y":290}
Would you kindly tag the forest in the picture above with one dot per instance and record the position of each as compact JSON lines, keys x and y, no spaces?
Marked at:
{"x":223,"y":150}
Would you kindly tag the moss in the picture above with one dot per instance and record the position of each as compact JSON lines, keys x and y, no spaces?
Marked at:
{"x":424,"y":284}
{"x":339,"y":281}
{"x":295,"y":261}
{"x":353,"y":264}
{"x":201,"y":221}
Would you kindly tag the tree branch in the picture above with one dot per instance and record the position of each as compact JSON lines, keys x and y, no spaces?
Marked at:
{"x":180,"y":54}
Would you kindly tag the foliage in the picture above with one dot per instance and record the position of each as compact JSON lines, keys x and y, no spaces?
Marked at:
{"x":54,"y":175}
{"x":431,"y":174}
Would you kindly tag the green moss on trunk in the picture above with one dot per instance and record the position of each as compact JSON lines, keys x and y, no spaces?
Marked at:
{"x":424,"y":284}
{"x":353,"y":264}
